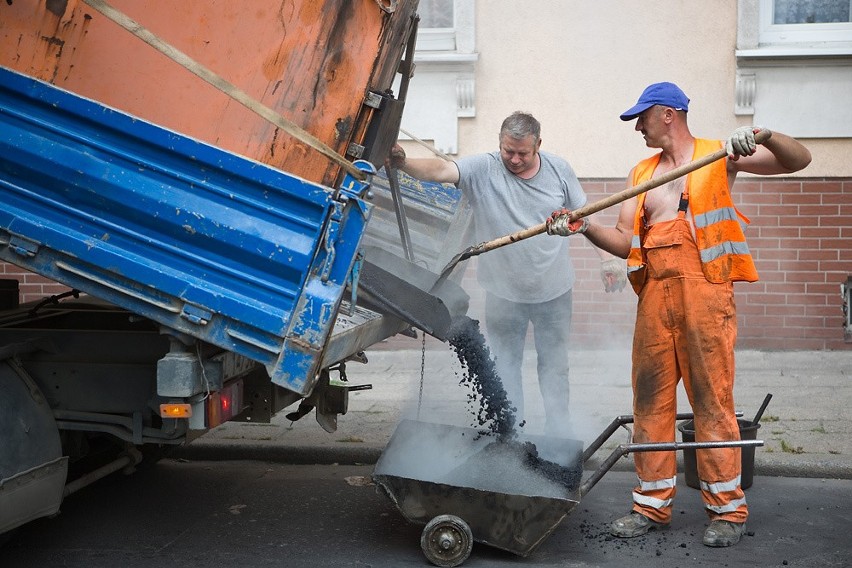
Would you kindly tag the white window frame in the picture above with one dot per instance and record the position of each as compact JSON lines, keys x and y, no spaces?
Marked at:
{"x":802,"y":34}
{"x":436,"y":39}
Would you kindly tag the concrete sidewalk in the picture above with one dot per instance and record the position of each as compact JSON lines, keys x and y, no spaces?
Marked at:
{"x":807,"y":427}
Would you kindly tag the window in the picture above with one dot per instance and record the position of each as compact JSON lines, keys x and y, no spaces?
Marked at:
{"x":443,"y":87}
{"x":436,"y":13}
{"x":794,"y":66}
{"x":805,"y":21}
{"x":436,"y":31}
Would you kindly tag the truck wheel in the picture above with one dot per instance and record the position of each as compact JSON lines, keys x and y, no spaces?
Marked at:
{"x":446,"y":541}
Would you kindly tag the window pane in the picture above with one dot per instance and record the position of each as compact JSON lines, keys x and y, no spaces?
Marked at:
{"x":436,"y":13}
{"x":811,"y":11}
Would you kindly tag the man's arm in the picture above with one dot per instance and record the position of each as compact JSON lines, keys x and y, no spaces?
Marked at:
{"x":427,"y":169}
{"x":615,"y":240}
{"x":781,"y":154}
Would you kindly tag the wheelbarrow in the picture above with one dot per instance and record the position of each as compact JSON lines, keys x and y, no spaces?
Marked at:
{"x":466,"y":487}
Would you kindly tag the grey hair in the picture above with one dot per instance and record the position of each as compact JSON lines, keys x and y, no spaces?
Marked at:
{"x":520,"y":125}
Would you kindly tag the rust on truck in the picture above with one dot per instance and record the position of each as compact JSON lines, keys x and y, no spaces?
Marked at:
{"x":314,"y":62}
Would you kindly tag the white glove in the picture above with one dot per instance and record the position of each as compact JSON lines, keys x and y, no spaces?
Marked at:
{"x":741,"y":142}
{"x":559,"y":223}
{"x":614,"y":274}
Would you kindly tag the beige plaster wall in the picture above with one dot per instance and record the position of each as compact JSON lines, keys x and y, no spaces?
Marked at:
{"x":576,"y":65}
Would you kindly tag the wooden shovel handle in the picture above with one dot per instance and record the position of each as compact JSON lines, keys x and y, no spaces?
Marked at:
{"x":613,"y":199}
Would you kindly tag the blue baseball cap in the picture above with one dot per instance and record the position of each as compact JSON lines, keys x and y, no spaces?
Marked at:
{"x":666,"y":94}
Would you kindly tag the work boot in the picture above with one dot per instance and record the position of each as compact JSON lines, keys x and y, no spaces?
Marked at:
{"x":634,"y":524}
{"x":723,"y":533}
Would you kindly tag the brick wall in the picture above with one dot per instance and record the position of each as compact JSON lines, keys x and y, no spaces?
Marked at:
{"x":32,"y":286}
{"x":801,"y":239}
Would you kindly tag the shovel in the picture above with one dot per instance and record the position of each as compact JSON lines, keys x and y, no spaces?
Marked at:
{"x":614,"y":199}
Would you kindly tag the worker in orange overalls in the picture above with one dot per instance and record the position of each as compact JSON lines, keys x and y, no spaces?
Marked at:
{"x":685,"y":246}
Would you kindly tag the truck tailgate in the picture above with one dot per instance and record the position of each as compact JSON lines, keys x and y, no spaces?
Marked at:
{"x":203,"y":241}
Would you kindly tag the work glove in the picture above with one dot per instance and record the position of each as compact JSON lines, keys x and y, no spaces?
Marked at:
{"x":741,"y":142}
{"x":614,"y":274}
{"x":559,"y":223}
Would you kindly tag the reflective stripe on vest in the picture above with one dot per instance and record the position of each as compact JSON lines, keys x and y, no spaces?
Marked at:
{"x":724,"y":214}
{"x":728,"y":247}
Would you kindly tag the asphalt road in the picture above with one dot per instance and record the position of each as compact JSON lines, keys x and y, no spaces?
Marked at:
{"x":254,"y":514}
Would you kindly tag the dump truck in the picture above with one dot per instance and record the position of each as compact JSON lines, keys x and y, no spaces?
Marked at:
{"x":205,"y":181}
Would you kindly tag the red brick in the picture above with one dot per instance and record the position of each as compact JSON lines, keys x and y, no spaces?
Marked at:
{"x":841,"y":198}
{"x":825,"y":311}
{"x":820,"y":232}
{"x":801,"y":198}
{"x":746,"y":186}
{"x":785,"y":310}
{"x":822,"y":255}
{"x":809,"y":322}
{"x":749,"y":199}
{"x":837,"y":266}
{"x":808,"y":277}
{"x":819,"y":210}
{"x":750,"y":309}
{"x":836,"y":221}
{"x":826,"y":332}
{"x":780,"y":332}
{"x":778,"y":210}
{"x":802,"y":243}
{"x":779,"y":186}
{"x":767,"y":232}
{"x":778,"y":287}
{"x":822,"y":289}
{"x":824,"y":186}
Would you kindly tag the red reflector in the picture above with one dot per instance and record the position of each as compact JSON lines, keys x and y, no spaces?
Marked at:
{"x":225,"y":404}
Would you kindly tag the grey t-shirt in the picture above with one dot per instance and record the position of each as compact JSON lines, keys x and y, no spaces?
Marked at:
{"x":539,"y":268}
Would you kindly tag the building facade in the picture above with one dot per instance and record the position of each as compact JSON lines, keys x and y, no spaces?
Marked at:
{"x":782,"y":64}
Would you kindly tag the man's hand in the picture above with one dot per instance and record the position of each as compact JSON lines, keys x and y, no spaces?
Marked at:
{"x":559,"y":223}
{"x":396,"y":158}
{"x":741,"y":142}
{"x":613,"y":274}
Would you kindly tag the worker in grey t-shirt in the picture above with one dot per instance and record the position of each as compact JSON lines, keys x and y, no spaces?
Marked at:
{"x":529,"y":281}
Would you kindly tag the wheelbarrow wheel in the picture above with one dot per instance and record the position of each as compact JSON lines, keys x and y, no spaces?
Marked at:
{"x":446,"y":541}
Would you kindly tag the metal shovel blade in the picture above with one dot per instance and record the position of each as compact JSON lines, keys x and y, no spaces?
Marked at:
{"x":395,"y":296}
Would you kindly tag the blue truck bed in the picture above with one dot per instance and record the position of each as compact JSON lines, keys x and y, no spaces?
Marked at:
{"x":200,"y":240}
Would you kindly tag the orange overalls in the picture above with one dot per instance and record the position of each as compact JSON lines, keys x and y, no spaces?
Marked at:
{"x":685,"y":327}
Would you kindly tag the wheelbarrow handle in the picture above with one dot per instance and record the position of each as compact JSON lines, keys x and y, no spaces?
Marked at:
{"x":624,"y":449}
{"x":620,"y":421}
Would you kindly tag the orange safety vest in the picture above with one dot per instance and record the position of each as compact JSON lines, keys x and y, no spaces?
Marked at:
{"x":719,"y":225}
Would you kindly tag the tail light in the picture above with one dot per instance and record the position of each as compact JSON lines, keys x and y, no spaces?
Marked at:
{"x":225,"y":404}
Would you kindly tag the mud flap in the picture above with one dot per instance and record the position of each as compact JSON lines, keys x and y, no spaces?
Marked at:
{"x":32,"y":494}
{"x":32,"y":469}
